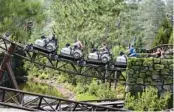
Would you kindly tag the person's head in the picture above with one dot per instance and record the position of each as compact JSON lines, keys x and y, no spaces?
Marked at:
{"x":132,"y":46}
{"x":67,"y":45}
{"x":103,"y":44}
{"x":53,"y":37}
{"x":158,"y":50}
{"x":121,"y":53}
{"x":43,"y":37}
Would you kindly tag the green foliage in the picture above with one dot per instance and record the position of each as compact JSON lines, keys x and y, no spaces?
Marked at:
{"x":16,"y":14}
{"x":97,"y":89}
{"x":84,"y":97}
{"x":91,"y":21}
{"x":171,"y":39}
{"x":40,"y":88}
{"x":164,"y":34}
{"x":43,"y":76}
{"x":148,"y":100}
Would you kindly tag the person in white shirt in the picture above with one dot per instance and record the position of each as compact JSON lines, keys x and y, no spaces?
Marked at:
{"x":121,"y":60}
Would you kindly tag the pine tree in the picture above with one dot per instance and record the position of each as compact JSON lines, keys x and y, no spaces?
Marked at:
{"x":18,"y":16}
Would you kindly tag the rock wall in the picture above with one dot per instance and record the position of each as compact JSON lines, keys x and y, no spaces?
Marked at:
{"x":143,"y":72}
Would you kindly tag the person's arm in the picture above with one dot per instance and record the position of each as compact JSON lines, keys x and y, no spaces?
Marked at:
{"x":81,"y":44}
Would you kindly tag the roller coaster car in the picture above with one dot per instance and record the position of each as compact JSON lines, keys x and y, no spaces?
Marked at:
{"x":98,"y":57}
{"x":121,"y":62}
{"x":45,"y":45}
{"x":72,"y":53}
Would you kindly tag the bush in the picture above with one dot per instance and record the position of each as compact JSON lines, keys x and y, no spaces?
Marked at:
{"x":80,"y":88}
{"x":148,"y":100}
{"x":43,"y":76}
{"x":95,"y":88}
{"x":105,"y":93}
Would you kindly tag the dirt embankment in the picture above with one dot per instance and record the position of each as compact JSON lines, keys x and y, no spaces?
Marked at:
{"x":60,"y":87}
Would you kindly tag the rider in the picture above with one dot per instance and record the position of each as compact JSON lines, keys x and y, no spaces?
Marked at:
{"x":121,"y":60}
{"x":158,"y":53}
{"x":54,"y":40}
{"x":132,"y":52}
{"x":170,"y":16}
{"x":78,"y":44}
{"x":104,"y":48}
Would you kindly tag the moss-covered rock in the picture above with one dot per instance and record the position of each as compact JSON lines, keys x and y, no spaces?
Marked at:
{"x":158,"y":66}
{"x":140,"y":81}
{"x":147,"y":83}
{"x":148,"y":73}
{"x":148,"y":62}
{"x":170,"y":61}
{"x":159,"y":83}
{"x":136,"y":68}
{"x":131,"y":80}
{"x":129,"y":63}
{"x":166,"y":87}
{"x":165,"y":72}
{"x":142,"y":75}
{"x":144,"y":69}
{"x":159,"y":88}
{"x":157,"y":60}
{"x":154,"y":83}
{"x":171,"y":66}
{"x":170,"y":81}
{"x":164,"y":62}
{"x":130,"y":71}
{"x":155,"y":76}
{"x":155,"y":72}
{"x":136,"y":75}
{"x":149,"y":79}
{"x":139,"y":62}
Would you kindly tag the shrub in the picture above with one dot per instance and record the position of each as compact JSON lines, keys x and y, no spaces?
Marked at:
{"x":148,"y":100}
{"x":80,"y":88}
{"x":105,"y":93}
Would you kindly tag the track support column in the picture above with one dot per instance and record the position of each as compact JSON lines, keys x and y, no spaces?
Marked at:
{"x":5,"y":65}
{"x":115,"y":81}
{"x":6,"y":59}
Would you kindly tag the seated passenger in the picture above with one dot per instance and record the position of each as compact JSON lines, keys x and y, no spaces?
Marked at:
{"x":121,"y":60}
{"x":132,"y":52}
{"x":78,"y":44}
{"x":158,"y":53}
{"x":68,"y":45}
{"x":53,"y":39}
{"x":94,"y":50}
{"x":104,"y":48}
{"x":43,"y":37}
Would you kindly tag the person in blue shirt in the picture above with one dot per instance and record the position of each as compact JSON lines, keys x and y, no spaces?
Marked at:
{"x":132,"y":52}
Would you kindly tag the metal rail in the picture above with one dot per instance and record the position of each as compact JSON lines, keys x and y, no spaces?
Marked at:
{"x":9,"y":98}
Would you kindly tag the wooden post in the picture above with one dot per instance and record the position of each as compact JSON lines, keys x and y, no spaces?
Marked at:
{"x":115,"y":81}
{"x":12,"y":76}
{"x":6,"y":59}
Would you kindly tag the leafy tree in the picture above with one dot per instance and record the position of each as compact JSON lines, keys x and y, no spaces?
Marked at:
{"x":164,"y":33}
{"x":171,"y":39}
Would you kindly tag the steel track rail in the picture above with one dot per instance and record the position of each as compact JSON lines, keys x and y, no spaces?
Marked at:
{"x":63,"y":65}
{"x":45,"y":102}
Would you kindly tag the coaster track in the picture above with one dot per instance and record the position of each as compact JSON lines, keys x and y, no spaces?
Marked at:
{"x":64,"y":65}
{"x":19,"y":99}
